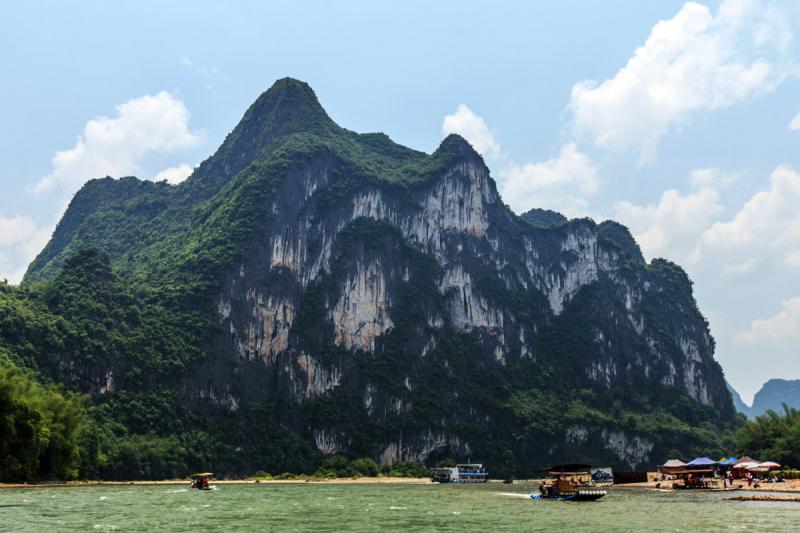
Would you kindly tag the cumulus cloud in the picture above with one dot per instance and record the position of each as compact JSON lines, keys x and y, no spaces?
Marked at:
{"x":783,"y":326}
{"x":740,"y":269}
{"x":673,"y":227}
{"x":795,"y":123}
{"x":21,"y":238}
{"x":769,"y":219}
{"x":151,"y":124}
{"x":711,"y":177}
{"x":691,"y":62}
{"x":174,"y":175}
{"x":792,"y":259}
{"x":473,"y":128}
{"x":562,"y":183}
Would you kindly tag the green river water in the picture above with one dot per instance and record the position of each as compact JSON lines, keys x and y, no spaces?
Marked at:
{"x":387,"y":507}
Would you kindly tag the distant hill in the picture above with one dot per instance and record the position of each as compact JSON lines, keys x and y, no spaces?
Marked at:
{"x":738,"y":403}
{"x":773,"y":394}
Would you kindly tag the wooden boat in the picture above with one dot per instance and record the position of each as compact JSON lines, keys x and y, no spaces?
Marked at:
{"x":200,"y":481}
{"x":570,"y":482}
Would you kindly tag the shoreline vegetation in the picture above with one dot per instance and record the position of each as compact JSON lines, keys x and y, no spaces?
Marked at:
{"x":247,"y":481}
{"x":788,"y":486}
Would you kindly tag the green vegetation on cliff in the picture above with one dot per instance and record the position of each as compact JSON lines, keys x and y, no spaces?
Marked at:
{"x":129,"y":302}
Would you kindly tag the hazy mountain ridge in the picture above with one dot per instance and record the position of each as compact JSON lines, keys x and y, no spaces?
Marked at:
{"x":772,"y":395}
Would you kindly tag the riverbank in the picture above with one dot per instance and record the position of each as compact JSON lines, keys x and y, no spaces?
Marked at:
{"x":790,"y":485}
{"x":334,"y":481}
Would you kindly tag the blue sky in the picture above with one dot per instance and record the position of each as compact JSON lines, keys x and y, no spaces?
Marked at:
{"x":674,"y":118}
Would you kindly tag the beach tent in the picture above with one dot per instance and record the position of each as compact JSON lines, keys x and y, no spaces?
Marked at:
{"x":701,"y":461}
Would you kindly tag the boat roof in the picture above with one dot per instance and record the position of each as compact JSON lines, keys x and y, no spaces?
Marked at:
{"x":203,"y":474}
{"x":470,"y":464}
{"x":569,"y":468}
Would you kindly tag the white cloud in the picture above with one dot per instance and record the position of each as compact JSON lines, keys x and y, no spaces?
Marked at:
{"x":740,"y":269}
{"x":770,"y":219}
{"x":792,"y":259}
{"x":673,"y":227}
{"x":211,"y":75}
{"x":561,"y":183}
{"x":473,"y":128}
{"x":782,"y":327}
{"x":21,"y":238}
{"x":795,"y":123}
{"x":151,"y":124}
{"x":693,"y":61}
{"x":711,"y":177}
{"x":174,"y":175}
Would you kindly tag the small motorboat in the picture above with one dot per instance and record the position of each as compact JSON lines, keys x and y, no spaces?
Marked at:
{"x":569,"y":483}
{"x":200,"y":481}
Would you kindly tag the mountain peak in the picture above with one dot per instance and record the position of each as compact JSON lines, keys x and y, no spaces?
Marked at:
{"x":289,"y":107}
{"x":454,"y":145}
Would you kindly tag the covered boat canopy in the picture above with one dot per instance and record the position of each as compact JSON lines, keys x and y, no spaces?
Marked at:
{"x":203,"y":474}
{"x":674,"y":463}
{"x":569,"y":469}
{"x":701,"y":461}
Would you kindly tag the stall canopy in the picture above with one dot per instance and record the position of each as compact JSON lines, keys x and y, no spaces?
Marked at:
{"x":744,"y":459}
{"x":701,"y":461}
{"x":674,"y":463}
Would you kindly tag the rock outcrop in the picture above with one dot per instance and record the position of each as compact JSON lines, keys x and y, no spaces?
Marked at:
{"x":396,"y":289}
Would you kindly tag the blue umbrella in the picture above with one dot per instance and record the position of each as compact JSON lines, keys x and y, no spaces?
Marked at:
{"x":701,"y":461}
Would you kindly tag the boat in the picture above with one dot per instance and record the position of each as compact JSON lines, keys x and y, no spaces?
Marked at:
{"x":200,"y":481}
{"x":461,"y":473}
{"x":569,"y":482}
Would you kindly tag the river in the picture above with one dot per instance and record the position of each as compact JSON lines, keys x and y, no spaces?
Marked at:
{"x":373,"y":507}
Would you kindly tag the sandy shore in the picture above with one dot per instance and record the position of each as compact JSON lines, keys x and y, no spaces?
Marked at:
{"x":790,"y":485}
{"x":336,"y":481}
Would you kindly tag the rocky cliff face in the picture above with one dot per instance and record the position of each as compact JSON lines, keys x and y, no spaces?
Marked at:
{"x":394,"y":303}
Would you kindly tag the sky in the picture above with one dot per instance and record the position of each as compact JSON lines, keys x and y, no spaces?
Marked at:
{"x":679,"y":119}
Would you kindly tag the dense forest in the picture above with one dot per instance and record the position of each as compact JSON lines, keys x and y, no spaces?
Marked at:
{"x":772,"y":436}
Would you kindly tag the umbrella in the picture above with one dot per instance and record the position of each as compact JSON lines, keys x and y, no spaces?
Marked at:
{"x":701,"y":461}
{"x":748,"y":465}
{"x":770,"y":464}
{"x":729,"y":461}
{"x":674,"y":463}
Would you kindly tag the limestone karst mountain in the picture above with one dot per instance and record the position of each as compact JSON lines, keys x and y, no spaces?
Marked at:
{"x":312,"y":288}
